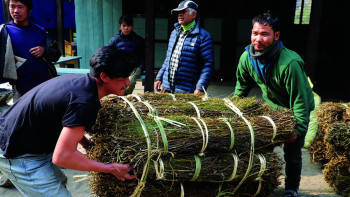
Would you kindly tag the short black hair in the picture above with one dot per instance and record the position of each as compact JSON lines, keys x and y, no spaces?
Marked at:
{"x":127,"y":19}
{"x":268,"y":19}
{"x":28,"y":3}
{"x":116,"y":63}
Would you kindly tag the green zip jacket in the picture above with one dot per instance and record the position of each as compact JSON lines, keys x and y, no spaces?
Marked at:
{"x":286,"y":85}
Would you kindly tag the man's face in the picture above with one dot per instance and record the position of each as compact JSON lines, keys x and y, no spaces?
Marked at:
{"x":19,"y":12}
{"x":125,"y":28}
{"x":263,"y":36}
{"x":118,"y":85}
{"x":185,"y":18}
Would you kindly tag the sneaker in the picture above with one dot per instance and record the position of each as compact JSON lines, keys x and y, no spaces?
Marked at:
{"x":291,"y":193}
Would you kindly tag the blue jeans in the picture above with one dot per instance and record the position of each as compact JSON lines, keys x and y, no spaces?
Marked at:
{"x":35,"y":175}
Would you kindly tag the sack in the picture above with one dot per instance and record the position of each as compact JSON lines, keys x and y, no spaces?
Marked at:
{"x":313,"y":124}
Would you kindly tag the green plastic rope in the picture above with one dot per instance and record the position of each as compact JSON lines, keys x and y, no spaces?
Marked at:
{"x":261,"y":172}
{"x":196,"y":108}
{"x":153,"y":113}
{"x":232,"y":133}
{"x":204,"y":146}
{"x":237,"y":111}
{"x":198,"y":168}
{"x":172,"y":95}
{"x":274,"y":127}
{"x":235,"y":158}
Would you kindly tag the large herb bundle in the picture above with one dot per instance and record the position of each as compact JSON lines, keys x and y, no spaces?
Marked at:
{"x":337,"y":175}
{"x":182,"y":141}
{"x":331,"y":146}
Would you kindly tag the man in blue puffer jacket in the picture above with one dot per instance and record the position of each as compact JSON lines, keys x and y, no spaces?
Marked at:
{"x":189,"y":63}
{"x":129,"y":41}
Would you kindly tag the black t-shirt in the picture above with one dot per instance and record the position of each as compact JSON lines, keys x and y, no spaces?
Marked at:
{"x":34,"y":123}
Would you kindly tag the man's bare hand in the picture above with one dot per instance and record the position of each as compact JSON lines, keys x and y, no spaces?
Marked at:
{"x":198,"y":92}
{"x":121,"y":171}
{"x":292,"y":139}
{"x":36,"y":52}
{"x":158,"y":86}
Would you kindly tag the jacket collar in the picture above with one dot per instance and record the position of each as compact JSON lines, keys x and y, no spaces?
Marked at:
{"x":195,"y":30}
{"x":120,"y":33}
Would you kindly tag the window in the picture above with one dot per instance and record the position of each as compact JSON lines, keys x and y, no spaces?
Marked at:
{"x":302,"y":12}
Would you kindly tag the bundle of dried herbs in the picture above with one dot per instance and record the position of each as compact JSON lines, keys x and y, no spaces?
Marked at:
{"x":208,"y":107}
{"x":328,"y":114}
{"x":190,"y":141}
{"x":262,"y":179}
{"x":339,"y":140}
{"x":192,"y":135}
{"x":213,"y":166}
{"x":332,"y":145}
{"x":149,"y":96}
{"x":262,"y":184}
{"x":337,"y":175}
{"x":116,"y":111}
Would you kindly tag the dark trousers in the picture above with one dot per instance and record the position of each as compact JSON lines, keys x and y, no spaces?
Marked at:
{"x":292,"y":157}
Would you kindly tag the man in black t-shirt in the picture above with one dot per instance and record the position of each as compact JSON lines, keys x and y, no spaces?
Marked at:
{"x":46,"y":124}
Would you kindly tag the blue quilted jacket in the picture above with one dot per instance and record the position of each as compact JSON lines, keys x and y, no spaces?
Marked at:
{"x":132,"y":43}
{"x":196,"y":63}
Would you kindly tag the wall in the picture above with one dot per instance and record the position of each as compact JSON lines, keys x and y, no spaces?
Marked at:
{"x":96,"y":23}
{"x":332,"y":66}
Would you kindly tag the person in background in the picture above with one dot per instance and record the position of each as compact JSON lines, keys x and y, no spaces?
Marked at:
{"x":189,"y":62}
{"x":128,"y":40}
{"x":279,"y":72}
{"x":27,"y":52}
{"x":42,"y":129}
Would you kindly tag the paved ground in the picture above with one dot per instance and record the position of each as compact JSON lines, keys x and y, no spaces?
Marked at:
{"x":312,"y":182}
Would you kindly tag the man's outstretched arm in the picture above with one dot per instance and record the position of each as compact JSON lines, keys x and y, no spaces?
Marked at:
{"x":66,"y":155}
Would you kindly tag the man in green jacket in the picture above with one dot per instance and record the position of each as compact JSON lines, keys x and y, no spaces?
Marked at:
{"x":279,"y":72}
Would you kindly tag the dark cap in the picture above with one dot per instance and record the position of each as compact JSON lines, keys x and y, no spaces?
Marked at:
{"x":185,"y":4}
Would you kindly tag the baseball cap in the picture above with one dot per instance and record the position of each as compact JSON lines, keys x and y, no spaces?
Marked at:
{"x":185,"y":4}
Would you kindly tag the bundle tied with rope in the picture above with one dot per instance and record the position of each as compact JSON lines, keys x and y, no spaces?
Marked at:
{"x":182,"y":140}
{"x":329,"y":115}
{"x":331,"y":147}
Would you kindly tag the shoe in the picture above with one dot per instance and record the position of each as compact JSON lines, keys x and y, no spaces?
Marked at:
{"x":291,"y":193}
